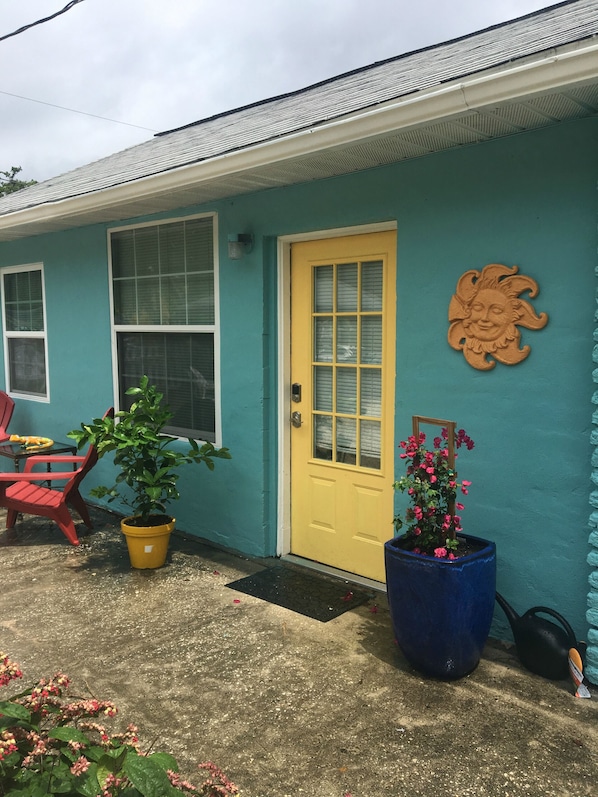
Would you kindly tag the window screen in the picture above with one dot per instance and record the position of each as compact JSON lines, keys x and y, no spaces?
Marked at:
{"x":24,"y":331}
{"x":164,"y":318}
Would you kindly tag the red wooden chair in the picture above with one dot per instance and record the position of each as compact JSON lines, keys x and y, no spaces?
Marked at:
{"x":19,"y":493}
{"x":7,"y":405}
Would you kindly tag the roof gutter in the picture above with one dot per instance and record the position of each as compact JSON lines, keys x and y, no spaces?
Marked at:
{"x":549,"y":73}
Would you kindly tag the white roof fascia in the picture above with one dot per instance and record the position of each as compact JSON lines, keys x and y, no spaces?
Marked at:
{"x":551,"y":72}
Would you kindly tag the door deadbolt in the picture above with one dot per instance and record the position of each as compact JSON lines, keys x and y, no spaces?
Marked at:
{"x":296,"y":392}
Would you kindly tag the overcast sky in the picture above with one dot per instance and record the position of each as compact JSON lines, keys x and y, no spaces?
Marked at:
{"x":159,"y":64}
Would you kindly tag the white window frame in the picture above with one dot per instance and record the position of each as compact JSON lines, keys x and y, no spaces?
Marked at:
{"x":18,"y":334}
{"x":213,"y":329}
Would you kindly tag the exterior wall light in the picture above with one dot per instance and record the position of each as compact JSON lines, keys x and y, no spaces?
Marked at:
{"x":239,"y":244}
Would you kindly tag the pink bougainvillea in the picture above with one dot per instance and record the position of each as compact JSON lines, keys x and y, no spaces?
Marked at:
{"x":431,"y":484}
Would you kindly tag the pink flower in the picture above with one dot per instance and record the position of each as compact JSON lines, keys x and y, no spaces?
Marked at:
{"x":440,"y":553}
{"x":80,"y":766}
{"x":459,"y":506}
{"x":7,"y":744}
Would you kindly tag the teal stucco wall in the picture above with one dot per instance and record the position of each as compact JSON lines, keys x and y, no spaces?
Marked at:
{"x":528,"y":200}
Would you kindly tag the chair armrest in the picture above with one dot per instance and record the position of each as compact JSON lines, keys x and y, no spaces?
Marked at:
{"x":31,"y":462}
{"x":39,"y":476}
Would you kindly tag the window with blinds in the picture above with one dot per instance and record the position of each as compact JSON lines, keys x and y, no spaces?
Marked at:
{"x":25,"y":331}
{"x":347,"y":363}
{"x":164,"y":318}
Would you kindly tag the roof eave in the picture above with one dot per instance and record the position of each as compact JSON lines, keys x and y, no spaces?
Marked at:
{"x":548,"y":73}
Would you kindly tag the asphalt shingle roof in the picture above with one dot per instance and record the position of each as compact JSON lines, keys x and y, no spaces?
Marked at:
{"x":559,"y":25}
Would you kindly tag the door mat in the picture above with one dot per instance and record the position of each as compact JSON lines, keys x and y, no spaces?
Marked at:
{"x":314,"y":596}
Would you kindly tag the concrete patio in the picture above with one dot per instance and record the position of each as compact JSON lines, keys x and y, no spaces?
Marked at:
{"x":285,"y":705}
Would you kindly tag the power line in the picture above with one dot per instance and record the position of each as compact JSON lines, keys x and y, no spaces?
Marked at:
{"x":73,"y":110}
{"x":67,"y":7}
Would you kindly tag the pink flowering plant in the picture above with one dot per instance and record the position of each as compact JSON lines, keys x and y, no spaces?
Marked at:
{"x":54,"y":744}
{"x":431,"y":483}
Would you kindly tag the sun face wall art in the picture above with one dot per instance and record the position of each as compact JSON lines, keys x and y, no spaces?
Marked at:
{"x":485,"y":312}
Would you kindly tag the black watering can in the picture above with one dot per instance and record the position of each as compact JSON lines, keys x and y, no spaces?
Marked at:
{"x":542,"y":646}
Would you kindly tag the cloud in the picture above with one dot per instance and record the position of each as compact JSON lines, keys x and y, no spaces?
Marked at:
{"x":160,"y":65}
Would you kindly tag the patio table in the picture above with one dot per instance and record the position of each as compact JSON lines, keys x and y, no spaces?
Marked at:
{"x":16,"y":452}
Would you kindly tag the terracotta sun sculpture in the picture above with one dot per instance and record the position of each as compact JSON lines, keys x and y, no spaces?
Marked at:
{"x":484,"y":314}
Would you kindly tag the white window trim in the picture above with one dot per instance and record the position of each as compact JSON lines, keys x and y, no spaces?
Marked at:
{"x":211,"y":328}
{"x":8,"y":334}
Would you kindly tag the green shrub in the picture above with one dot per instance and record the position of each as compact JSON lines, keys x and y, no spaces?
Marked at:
{"x":54,"y":744}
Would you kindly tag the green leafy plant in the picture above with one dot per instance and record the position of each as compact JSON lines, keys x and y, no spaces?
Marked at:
{"x":431,"y":483}
{"x":54,"y":744}
{"x":144,"y":453}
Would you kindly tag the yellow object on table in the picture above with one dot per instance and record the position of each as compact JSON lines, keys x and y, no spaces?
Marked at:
{"x":31,"y":442}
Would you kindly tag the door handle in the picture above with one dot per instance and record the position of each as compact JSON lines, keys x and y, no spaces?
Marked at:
{"x":296,"y":419}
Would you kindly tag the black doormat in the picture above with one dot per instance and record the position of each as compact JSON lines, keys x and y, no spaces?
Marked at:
{"x":314,"y":596}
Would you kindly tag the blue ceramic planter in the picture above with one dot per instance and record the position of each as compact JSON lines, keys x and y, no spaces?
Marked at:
{"x":441,"y":610}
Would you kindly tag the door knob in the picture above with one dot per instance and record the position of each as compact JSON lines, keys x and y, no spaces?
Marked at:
{"x":296,"y":419}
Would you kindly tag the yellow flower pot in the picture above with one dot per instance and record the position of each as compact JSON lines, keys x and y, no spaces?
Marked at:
{"x":148,"y":545}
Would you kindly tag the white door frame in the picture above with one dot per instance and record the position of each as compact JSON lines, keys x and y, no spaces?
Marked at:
{"x":283,"y":541}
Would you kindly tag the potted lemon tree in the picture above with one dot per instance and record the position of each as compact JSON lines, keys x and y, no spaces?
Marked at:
{"x":148,"y":463}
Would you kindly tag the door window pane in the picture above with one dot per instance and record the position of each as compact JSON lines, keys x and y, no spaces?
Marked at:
{"x":346,"y":290}
{"x":323,"y":437}
{"x":323,"y":388}
{"x":346,"y":339}
{"x":371,"y":339}
{"x":371,"y":392}
{"x":346,"y":440}
{"x":323,"y":339}
{"x":371,"y":286}
{"x":370,"y":444}
{"x":346,"y":390}
{"x":323,"y":288}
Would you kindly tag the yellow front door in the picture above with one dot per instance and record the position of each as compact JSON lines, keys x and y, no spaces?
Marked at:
{"x":342,"y":400}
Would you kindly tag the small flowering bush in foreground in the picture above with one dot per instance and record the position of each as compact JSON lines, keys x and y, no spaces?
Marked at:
{"x":431,"y":482}
{"x":52,"y":744}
